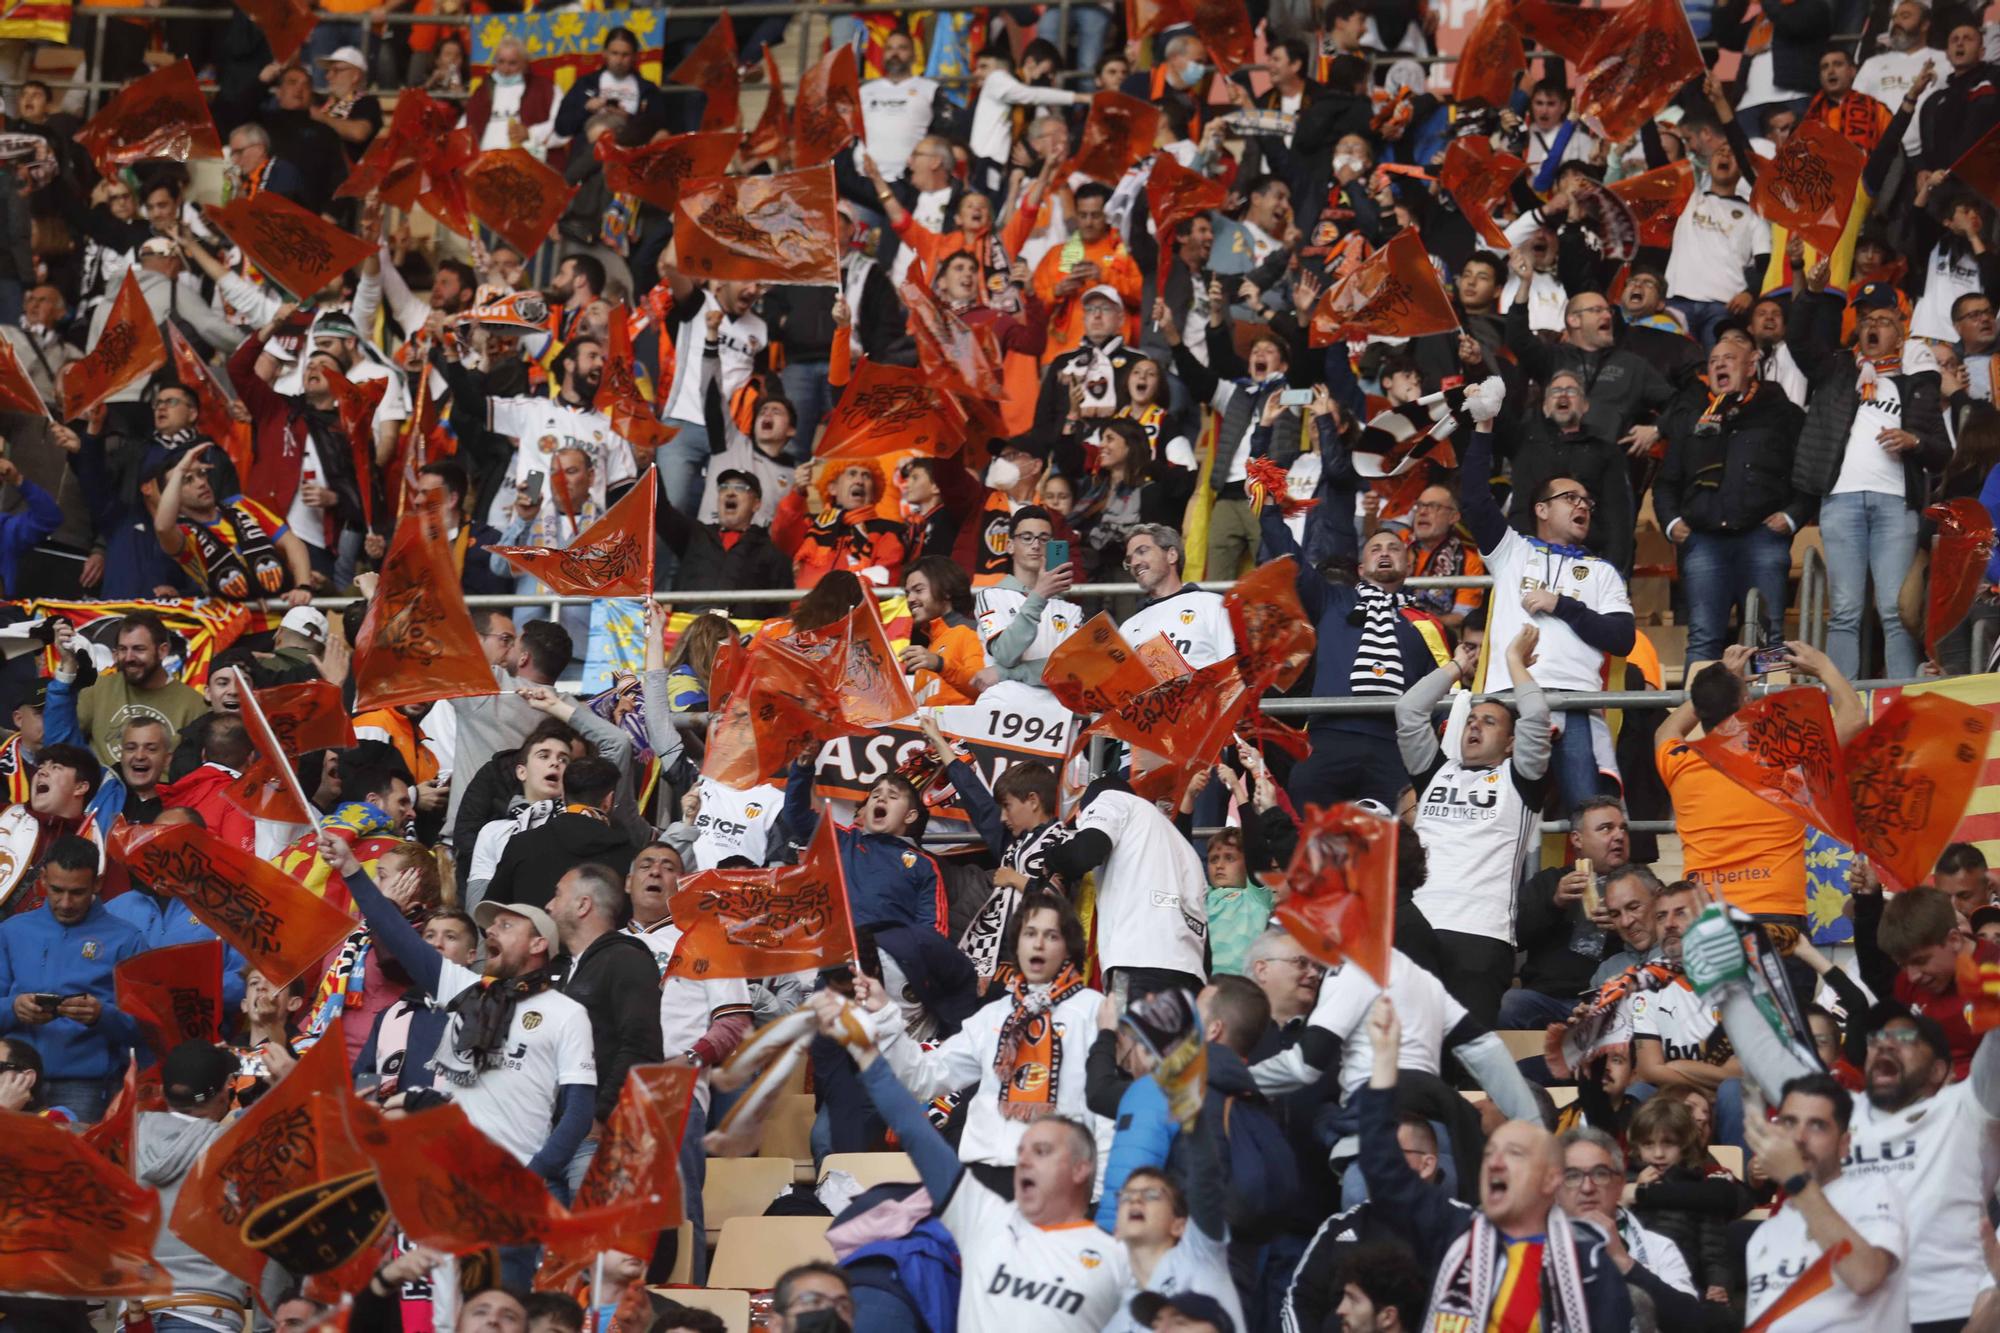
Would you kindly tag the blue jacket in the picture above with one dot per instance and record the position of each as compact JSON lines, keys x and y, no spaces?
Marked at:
{"x":60,"y":727}
{"x":890,"y":881}
{"x":40,"y":954}
{"x":164,"y":920}
{"x":21,"y":533}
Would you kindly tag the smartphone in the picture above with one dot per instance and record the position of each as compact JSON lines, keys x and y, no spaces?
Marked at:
{"x":1295,"y":398}
{"x":1766,"y":660}
{"x":47,"y":1003}
{"x":1058,"y":554}
{"x":533,"y":483}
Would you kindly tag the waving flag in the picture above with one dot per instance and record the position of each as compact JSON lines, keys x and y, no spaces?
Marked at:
{"x":827,"y":117}
{"x":394,"y":165}
{"x":1175,"y":195}
{"x":711,"y":67}
{"x":357,"y":403}
{"x":1342,"y":878}
{"x":285,"y":722}
{"x":1477,"y":179}
{"x":1635,"y":66}
{"x":776,"y":704}
{"x":1783,"y":748}
{"x":517,"y":195}
{"x":129,"y":348}
{"x":773,"y":127}
{"x":619,"y":396}
{"x":870,"y":684}
{"x":957,"y":356}
{"x":1656,"y":199}
{"x":173,"y":993}
{"x":758,"y":923}
{"x":285,"y":24}
{"x":1809,"y":187}
{"x":1910,"y":774}
{"x":1566,"y":29}
{"x":1224,"y":28}
{"x":1492,"y":60}
{"x":638,"y":1160}
{"x":211,"y":404}
{"x":613,"y":557}
{"x":1095,"y":670}
{"x":1395,"y":293}
{"x":778,"y":228}
{"x":657,"y":172}
{"x":886,"y":409}
{"x":290,"y":245}
{"x":1958,"y":566}
{"x":162,"y":115}
{"x":418,"y":642}
{"x":17,"y":391}
{"x":73,"y":1224}
{"x":1274,"y":640}
{"x":1118,"y":132}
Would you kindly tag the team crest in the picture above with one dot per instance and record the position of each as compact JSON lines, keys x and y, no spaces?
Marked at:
{"x":1061,"y":623}
{"x":1582,"y":572}
{"x":1089,"y":1259}
{"x":547,"y":444}
{"x":752,"y":811}
{"x":909,"y":860}
{"x":1187,"y":617}
{"x":1490,"y":778}
{"x":531,"y":1020}
{"x":90,"y":949}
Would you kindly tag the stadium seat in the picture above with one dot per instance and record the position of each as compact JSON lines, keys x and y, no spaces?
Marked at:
{"x":789,"y":1132}
{"x":870,"y":1168}
{"x":742,"y":1187}
{"x":1729,"y":1157}
{"x":1522,"y":1042}
{"x":755,"y":1251}
{"x":683,"y":1270}
{"x":732,"y":1306}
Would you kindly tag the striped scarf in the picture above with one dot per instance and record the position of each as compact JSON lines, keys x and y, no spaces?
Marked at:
{"x":1471,"y":1274}
{"x":1029,"y":1058}
{"x":1378,"y":663}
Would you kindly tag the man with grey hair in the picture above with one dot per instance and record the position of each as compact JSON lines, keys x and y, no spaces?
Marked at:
{"x":613,"y":976}
{"x":1288,"y":976}
{"x":1195,"y":622}
{"x":1593,"y":1181}
{"x":1628,"y":892}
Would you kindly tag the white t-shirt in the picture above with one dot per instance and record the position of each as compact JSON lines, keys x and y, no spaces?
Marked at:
{"x":1476,"y":825}
{"x":1562,"y":660}
{"x":734,"y":823}
{"x":1867,"y":466}
{"x":307,"y":523}
{"x":1196,"y":622}
{"x":1198,"y":1263}
{"x":1934,"y":1155}
{"x":740,"y":339}
{"x":1426,"y":1009}
{"x":1780,"y":1250}
{"x":1714,"y":241}
{"x":1886,"y":76}
{"x":541,"y":427}
{"x":1152,"y":892}
{"x":1578,"y":149}
{"x":1677,"y":1017}
{"x":548,"y":1047}
{"x":489,"y":846}
{"x":995,"y":608}
{"x":1021,"y":1278}
{"x":894,"y":116}
{"x":688,"y":1007}
{"x":1948,"y":280}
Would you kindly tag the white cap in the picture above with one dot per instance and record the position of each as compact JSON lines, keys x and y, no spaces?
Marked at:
{"x":346,"y":55}
{"x":1104,"y":291}
{"x":307,"y":620}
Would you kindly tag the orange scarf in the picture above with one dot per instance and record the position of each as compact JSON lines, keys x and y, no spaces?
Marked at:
{"x":1029,"y":1061}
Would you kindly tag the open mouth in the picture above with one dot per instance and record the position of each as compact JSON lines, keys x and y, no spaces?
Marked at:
{"x":1496,"y":1188}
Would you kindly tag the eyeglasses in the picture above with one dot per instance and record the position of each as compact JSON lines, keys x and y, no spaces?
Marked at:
{"x":1576,"y":498}
{"x":732,"y":486}
{"x":1033,"y":538}
{"x":807,"y":1301}
{"x":1151,"y":1194}
{"x":1600,"y":1176}
{"x":1895,"y":1037}
{"x":1434,"y":506}
{"x":1977,"y":312}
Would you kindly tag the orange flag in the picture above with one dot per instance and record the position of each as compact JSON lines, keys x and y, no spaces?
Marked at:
{"x":777,"y":704}
{"x":889,"y":409}
{"x":1143,"y":18}
{"x":1175,"y":194}
{"x":281,"y":926}
{"x":957,"y":356}
{"x":1477,"y":178}
{"x":293,"y":1142}
{"x":828,"y":115}
{"x":174,"y":993}
{"x":357,"y":404}
{"x":285,"y":722}
{"x":1910,"y":774}
{"x":111,"y":1137}
{"x":657,"y":171}
{"x":773,"y":127}
{"x":75,"y":1225}
{"x":711,"y":67}
{"x":1635,"y":66}
{"x":619,"y":396}
{"x":162,"y":115}
{"x":1978,"y":168}
{"x":394,"y":165}
{"x":17,"y":391}
{"x":1342,"y":879}
{"x":1817,"y":1278}
{"x":285,"y":23}
{"x":1783,"y":748}
{"x":777,"y":228}
{"x":638,"y":1158}
{"x":1274,"y":639}
{"x":1656,"y":198}
{"x":1809,"y":187}
{"x":1492,"y":59}
{"x":613,"y":557}
{"x":442,"y":193}
{"x":871,"y":687}
{"x":418,"y":642}
{"x":1958,"y":565}
{"x":1224,"y":28}
{"x":517,"y":195}
{"x":1095,"y":670}
{"x":1119,"y":131}
{"x":455,"y":1190}
{"x":130,"y":348}
{"x":758,"y":923}
{"x":1568,"y":30}
{"x":211,"y":404}
{"x":1186,"y":720}
{"x":1395,"y":292}
{"x":295,"y":248}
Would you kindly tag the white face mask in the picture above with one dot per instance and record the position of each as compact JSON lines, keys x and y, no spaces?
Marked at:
{"x":1001,"y":474}
{"x":1348,"y":162}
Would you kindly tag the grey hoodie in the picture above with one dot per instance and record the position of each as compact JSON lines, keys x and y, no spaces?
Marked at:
{"x":167,"y":1145}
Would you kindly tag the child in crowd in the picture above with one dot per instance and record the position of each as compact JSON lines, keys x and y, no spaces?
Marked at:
{"x":1674,"y":1195}
{"x":891,"y":879}
{"x":1239,"y":908}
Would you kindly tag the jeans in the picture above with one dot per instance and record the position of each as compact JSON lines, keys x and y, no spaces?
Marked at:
{"x":1702,"y":317}
{"x":11,"y":292}
{"x":811,"y":396}
{"x":1522,"y":1008}
{"x":683,"y":464}
{"x":1729,"y":1113}
{"x":1867,"y":535}
{"x":1088,"y":23}
{"x":1575,"y":760}
{"x":84,"y":1098}
{"x":694,"y":1174}
{"x":1717,"y":568}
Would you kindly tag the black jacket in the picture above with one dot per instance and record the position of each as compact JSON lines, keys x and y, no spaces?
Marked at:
{"x":536,"y":858}
{"x":1548,"y":935}
{"x":618,"y":984}
{"x":1623,"y":388}
{"x":571,"y":114}
{"x":1798,"y":33}
{"x":1813,"y":335}
{"x":801,"y":319}
{"x":752,"y":561}
{"x":1959,"y":114}
{"x":1732,"y":478}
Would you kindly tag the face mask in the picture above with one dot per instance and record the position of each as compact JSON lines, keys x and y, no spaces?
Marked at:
{"x":1192,"y":73}
{"x":1001,"y":474}
{"x":508,"y":80}
{"x":820,"y":1321}
{"x":1348,"y":162}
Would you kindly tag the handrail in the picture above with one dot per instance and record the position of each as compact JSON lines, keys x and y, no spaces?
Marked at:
{"x":1812,"y":597}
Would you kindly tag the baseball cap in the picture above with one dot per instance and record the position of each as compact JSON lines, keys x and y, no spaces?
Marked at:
{"x":195,"y":1073}
{"x":346,"y":55}
{"x":158,"y":245}
{"x":486,"y":911}
{"x":1739,"y":327}
{"x":1104,"y":291}
{"x":1876,"y":296}
{"x":1929,"y":1031}
{"x":1031,"y":443}
{"x":307,"y":620}
{"x":1147,"y":1305}
{"x":727,"y":475}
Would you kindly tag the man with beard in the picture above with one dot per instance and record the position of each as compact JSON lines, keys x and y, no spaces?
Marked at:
{"x":237,"y":550}
{"x":616,"y":83}
{"x":1891,"y":73}
{"x":1776,"y":365}
{"x":847,"y":523}
{"x":896,"y":108}
{"x":1561,"y":444}
{"x":139,"y":687}
{"x":1440,"y":549}
{"x":1842,"y":107}
{"x":1677,"y":1041}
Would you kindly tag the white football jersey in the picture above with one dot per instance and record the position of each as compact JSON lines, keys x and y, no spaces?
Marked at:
{"x":995,"y":608}
{"x":1195,"y":622}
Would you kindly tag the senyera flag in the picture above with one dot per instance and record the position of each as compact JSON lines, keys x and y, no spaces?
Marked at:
{"x":1118,"y":132}
{"x":656,"y":172}
{"x":827,"y":116}
{"x":162,"y":115}
{"x":129,"y":348}
{"x":74,"y":1224}
{"x":1395,"y":292}
{"x":285,"y":722}
{"x":613,"y":557}
{"x":282,"y":927}
{"x":711,"y":67}
{"x":777,"y":228}
{"x":418,"y":642}
{"x":174,"y":993}
{"x":1958,"y":566}
{"x":889,"y":409}
{"x":758,"y":923}
{"x":1342,"y":878}
{"x":292,"y":246}
{"x":1809,"y":186}
{"x":517,"y":195}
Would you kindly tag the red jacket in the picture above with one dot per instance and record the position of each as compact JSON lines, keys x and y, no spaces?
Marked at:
{"x":201,"y":791}
{"x":856,"y":539}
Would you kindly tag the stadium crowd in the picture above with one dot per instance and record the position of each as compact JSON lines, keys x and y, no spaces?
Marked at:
{"x":1661,"y":416}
